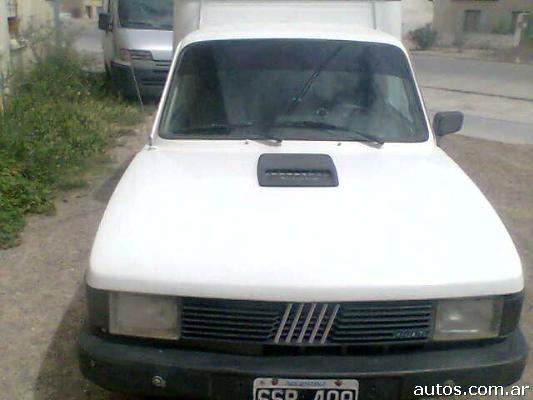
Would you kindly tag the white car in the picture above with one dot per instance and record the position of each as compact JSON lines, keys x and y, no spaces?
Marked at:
{"x":293,"y":231}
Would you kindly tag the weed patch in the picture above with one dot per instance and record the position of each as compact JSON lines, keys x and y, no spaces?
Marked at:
{"x":424,"y":37}
{"x":57,"y":118}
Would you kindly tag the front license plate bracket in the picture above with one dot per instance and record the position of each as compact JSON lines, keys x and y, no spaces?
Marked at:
{"x":305,"y":389}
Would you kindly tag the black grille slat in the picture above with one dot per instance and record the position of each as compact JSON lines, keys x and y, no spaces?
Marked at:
{"x":306,"y":324}
{"x":215,"y":324}
{"x":229,"y":329}
{"x":232,"y":311}
{"x":383,"y":306}
{"x":377,"y":320}
{"x":226,"y":318}
{"x":230,"y":336}
{"x":350,"y":327}
{"x":371,"y":340}
{"x":385,"y":313}
{"x":370,"y":332}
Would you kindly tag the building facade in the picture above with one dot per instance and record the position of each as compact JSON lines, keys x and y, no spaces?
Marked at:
{"x":28,"y":14}
{"x":5,"y":51}
{"x":88,"y":9}
{"x":20,"y":21}
{"x":479,"y":23}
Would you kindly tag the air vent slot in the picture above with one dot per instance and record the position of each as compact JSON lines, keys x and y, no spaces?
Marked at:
{"x":296,"y":170}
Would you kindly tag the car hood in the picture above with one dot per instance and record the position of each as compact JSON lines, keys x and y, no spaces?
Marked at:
{"x":404,"y":223}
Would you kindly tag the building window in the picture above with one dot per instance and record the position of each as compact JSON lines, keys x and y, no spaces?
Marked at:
{"x":472,"y":21}
{"x":514,"y":20}
{"x":13,"y":25}
{"x":89,"y":11}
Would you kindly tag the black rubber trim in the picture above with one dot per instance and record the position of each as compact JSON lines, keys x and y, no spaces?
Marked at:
{"x":97,"y":308}
{"x":194,"y":374}
{"x":512,"y":308}
{"x":296,"y":170}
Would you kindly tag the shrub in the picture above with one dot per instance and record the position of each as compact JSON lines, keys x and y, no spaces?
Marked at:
{"x":56,"y":119}
{"x":424,"y":37}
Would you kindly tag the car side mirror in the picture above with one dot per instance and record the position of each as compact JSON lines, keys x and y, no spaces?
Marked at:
{"x":103,"y":21}
{"x":448,"y":122}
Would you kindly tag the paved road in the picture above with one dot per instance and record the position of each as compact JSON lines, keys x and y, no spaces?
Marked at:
{"x":90,"y":41}
{"x":497,"y":98}
{"x":86,"y":36}
{"x":484,"y":77}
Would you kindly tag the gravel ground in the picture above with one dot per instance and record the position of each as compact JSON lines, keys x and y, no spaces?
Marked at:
{"x":41,"y":296}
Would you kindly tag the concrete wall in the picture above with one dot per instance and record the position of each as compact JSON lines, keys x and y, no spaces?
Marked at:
{"x":496,"y":17}
{"x":31,"y":15}
{"x":34,"y":13}
{"x":4,"y":38}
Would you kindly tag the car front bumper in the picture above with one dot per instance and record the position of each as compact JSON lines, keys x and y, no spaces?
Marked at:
{"x":128,"y":366}
{"x":150,"y":78}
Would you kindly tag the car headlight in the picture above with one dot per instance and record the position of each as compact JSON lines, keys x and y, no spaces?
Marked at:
{"x":143,"y":315}
{"x":141,"y":55}
{"x":463,"y":319}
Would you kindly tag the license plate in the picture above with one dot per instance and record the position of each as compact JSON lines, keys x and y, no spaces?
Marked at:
{"x":305,"y":389}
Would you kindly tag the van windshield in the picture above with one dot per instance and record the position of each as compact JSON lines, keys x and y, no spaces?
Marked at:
{"x":146,"y":14}
{"x":293,"y":90}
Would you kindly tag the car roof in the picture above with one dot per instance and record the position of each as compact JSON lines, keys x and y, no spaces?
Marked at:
{"x":291,"y":31}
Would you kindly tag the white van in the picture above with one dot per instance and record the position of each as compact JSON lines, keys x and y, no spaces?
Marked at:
{"x":137,"y":44}
{"x":292,"y":231}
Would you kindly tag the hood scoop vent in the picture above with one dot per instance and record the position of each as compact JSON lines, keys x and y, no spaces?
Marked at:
{"x":296,"y":170}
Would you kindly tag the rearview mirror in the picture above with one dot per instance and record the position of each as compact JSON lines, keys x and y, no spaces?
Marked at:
{"x":448,"y":122}
{"x":103,"y":21}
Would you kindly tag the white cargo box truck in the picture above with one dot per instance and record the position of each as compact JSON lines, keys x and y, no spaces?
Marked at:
{"x":190,"y":15}
{"x":292,"y":231}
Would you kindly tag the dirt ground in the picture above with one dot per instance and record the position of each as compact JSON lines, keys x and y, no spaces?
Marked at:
{"x":41,"y":296}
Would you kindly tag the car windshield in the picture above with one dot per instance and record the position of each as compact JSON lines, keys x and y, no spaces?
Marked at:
{"x":293,"y":90}
{"x":146,"y":14}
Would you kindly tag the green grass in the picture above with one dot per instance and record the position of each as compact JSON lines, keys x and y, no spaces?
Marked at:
{"x":56,"y":120}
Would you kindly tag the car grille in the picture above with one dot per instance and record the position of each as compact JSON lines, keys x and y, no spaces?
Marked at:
{"x":163,"y":63}
{"x":306,"y":324}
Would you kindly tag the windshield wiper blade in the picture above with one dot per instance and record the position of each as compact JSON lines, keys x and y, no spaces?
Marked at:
{"x":227,"y":129}
{"x":212,"y":128}
{"x":138,"y":23}
{"x":265,"y":134}
{"x":314,"y":76}
{"x":325,"y":126}
{"x":294,"y":101}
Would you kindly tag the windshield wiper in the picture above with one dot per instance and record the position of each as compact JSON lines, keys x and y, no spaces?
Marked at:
{"x":227,"y":129}
{"x":314,"y":76}
{"x":353,"y":134}
{"x":265,"y":134}
{"x":306,"y":86}
{"x":211,"y":128}
{"x":138,"y":23}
